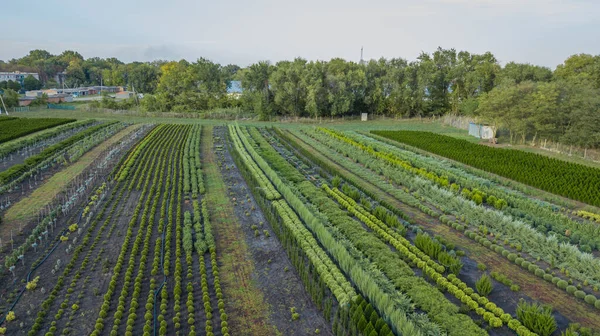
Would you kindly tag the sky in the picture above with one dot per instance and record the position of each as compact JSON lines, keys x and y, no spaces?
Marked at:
{"x":542,"y":32}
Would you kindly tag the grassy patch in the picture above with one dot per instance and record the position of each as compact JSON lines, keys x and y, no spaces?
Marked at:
{"x":248,"y":310}
{"x":29,"y":206}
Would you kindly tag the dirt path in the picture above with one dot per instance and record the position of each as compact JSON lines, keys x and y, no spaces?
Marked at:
{"x":247,"y":309}
{"x":274,"y":273}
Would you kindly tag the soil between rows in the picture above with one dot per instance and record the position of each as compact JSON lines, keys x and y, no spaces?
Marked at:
{"x":273,"y":273}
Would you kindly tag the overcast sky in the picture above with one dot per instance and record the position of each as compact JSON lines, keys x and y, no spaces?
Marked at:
{"x":543,"y":32}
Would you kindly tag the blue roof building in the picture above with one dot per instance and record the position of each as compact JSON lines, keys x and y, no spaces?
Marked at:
{"x":235,"y":87}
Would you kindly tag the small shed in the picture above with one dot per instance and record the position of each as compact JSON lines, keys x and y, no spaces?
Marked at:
{"x":481,"y":131}
{"x":124,"y":95}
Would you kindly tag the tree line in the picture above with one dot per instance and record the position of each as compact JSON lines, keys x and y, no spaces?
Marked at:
{"x":532,"y":102}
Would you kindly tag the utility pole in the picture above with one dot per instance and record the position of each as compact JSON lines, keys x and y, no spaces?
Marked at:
{"x":361,"y":56}
{"x":5,"y":109}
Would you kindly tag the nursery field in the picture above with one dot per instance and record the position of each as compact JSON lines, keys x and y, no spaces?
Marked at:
{"x":13,"y":128}
{"x":206,"y":228}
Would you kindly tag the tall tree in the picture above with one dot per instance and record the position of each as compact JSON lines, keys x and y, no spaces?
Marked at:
{"x":288,"y":87}
{"x":10,"y":97}
{"x":580,"y":68}
{"x":315,"y":79}
{"x":143,"y":77}
{"x":258,"y":96}
{"x":31,"y":83}
{"x":520,"y":72}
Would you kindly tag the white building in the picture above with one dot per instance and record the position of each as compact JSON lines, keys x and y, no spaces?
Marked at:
{"x":17,"y":76}
{"x":124,"y":95}
{"x":481,"y":131}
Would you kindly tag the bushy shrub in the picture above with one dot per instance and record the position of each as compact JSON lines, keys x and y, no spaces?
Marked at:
{"x":590,"y":299}
{"x":336,"y":181}
{"x":562,"y":284}
{"x":484,"y":285}
{"x":537,"y":318}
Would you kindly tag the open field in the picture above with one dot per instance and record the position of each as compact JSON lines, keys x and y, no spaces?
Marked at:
{"x":14,"y":128}
{"x":205,"y":227}
{"x":425,"y":125}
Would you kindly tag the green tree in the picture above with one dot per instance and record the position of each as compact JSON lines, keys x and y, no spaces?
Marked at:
{"x":208,"y":85}
{"x":582,"y":107}
{"x":377,"y":90}
{"x":258,"y":96}
{"x":173,"y":85}
{"x":414,"y":94}
{"x":435,"y":72}
{"x":11,"y":98}
{"x":394,"y":87}
{"x":31,"y":83}
{"x":548,"y":117}
{"x":75,"y":75}
{"x":144,"y":77}
{"x":346,"y":84}
{"x":13,"y":85}
{"x":520,"y":72}
{"x":314,"y":80}
{"x":288,"y":87}
{"x":40,"y":101}
{"x":580,"y":68}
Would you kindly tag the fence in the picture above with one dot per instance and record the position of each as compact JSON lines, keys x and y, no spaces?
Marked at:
{"x":461,"y":122}
{"x":21,"y":109}
{"x":61,"y":107}
{"x":584,"y":153}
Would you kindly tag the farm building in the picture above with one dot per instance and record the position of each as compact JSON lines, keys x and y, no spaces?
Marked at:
{"x":17,"y":76}
{"x":481,"y":131}
{"x":55,"y":99}
{"x":124,"y":95}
